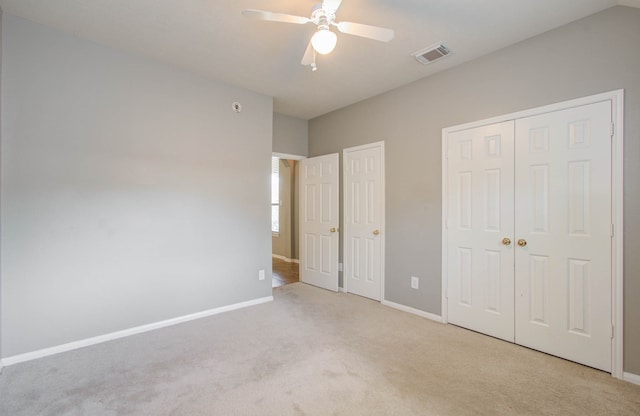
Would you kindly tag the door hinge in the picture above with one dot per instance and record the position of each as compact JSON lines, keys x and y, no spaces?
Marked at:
{"x":612,"y":129}
{"x":611,"y":229}
{"x":612,"y":331}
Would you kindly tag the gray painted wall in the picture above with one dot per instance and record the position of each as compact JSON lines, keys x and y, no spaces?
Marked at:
{"x":290,"y":135}
{"x":122,"y":182}
{"x":596,"y":54}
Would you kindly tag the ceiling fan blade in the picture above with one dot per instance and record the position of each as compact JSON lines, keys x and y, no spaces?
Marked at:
{"x":372,"y":32}
{"x":331,"y":5}
{"x":307,"y":59}
{"x":275,"y":17}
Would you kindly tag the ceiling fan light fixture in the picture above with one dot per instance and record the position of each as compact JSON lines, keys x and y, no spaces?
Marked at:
{"x":324,"y":41}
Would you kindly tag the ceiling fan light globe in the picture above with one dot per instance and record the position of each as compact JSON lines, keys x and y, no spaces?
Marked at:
{"x":324,"y":41}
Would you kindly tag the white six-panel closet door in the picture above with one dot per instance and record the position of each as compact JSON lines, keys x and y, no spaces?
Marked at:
{"x":563,"y":215}
{"x":480,"y":229}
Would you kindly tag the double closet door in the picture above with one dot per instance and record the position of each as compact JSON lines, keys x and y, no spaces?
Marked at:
{"x":528,"y":222}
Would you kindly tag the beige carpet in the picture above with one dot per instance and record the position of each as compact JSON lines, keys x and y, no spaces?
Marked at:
{"x":311,"y":352}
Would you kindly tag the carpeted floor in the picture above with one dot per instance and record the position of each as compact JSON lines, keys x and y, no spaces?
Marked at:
{"x":311,"y":352}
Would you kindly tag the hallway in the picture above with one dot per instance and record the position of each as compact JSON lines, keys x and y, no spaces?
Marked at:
{"x":284,"y":272}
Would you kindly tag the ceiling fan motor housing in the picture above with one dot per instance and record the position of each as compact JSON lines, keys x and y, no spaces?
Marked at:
{"x":322,"y":17}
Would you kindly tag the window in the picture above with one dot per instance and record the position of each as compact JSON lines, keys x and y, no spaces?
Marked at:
{"x":275,"y":195}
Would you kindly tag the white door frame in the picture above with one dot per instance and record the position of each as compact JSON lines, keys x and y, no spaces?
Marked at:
{"x":617,"y":175}
{"x":345,"y":235}
{"x":288,"y":156}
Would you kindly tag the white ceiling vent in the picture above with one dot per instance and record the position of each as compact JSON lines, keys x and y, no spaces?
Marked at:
{"x":432,"y":53}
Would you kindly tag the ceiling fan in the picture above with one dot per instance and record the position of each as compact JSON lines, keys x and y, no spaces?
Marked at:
{"x":323,"y":41}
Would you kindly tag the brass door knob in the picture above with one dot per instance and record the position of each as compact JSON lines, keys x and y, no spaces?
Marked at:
{"x":522,"y":242}
{"x":506,"y":241}
{"x":333,"y":230}
{"x":376,"y":232}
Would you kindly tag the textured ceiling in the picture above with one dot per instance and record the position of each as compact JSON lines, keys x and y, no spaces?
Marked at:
{"x":212,"y":38}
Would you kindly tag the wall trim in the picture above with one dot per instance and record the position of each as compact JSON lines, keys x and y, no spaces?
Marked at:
{"x":617,"y":213}
{"x":288,"y":156}
{"x":413,"y":311}
{"x":45,"y":352}
{"x":617,"y":178}
{"x":631,"y":378}
{"x":285,"y":258}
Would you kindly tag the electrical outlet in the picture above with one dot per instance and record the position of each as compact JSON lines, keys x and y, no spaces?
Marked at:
{"x":261,"y":274}
{"x":415,"y":282}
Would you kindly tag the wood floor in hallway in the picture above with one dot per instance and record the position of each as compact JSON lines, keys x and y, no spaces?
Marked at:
{"x":284,"y":272}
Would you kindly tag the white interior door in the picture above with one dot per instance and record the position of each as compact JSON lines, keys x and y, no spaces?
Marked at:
{"x":364,"y":220}
{"x":563,"y":213}
{"x":479,"y":218}
{"x":319,"y":221}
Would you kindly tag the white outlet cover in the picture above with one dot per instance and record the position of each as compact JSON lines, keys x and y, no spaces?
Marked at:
{"x":415,"y":282}
{"x":261,"y":275}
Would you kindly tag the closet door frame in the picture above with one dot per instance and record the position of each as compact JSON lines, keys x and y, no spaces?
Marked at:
{"x":617,"y":145}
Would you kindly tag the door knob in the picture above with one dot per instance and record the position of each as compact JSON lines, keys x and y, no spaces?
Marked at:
{"x":333,"y":230}
{"x":506,"y":241}
{"x":522,"y":242}
{"x":376,"y":232}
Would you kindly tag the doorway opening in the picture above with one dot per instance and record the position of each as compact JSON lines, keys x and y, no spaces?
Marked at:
{"x":284,"y":219}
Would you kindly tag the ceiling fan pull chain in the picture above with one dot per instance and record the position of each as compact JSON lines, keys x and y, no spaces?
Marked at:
{"x":314,"y":67}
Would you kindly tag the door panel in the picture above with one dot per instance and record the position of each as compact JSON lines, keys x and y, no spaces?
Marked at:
{"x":480,"y":215}
{"x":563,"y":206}
{"x":363,"y":220}
{"x":319,"y":221}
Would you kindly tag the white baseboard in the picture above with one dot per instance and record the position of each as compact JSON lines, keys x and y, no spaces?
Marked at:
{"x":341,"y":290}
{"x":631,"y":378}
{"x":283,"y":258}
{"x":15,"y":359}
{"x":414,"y":311}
